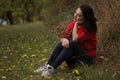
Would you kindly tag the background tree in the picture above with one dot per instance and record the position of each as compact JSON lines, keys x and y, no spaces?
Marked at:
{"x":20,"y":11}
{"x":6,"y":7}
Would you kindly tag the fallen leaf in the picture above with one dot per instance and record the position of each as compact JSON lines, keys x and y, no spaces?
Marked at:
{"x":4,"y":77}
{"x":76,"y":72}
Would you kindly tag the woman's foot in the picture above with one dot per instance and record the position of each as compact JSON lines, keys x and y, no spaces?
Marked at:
{"x":40,"y":69}
{"x":48,"y":71}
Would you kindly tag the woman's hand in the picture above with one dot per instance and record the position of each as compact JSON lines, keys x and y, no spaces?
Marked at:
{"x":75,"y":32}
{"x":65,"y":42}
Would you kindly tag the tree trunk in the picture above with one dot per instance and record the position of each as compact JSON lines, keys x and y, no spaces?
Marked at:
{"x":28,"y":17}
{"x":10,"y":17}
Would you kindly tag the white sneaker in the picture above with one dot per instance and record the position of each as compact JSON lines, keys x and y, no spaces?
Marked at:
{"x":40,"y":69}
{"x":48,"y":71}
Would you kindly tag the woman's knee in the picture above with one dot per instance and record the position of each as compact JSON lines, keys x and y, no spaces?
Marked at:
{"x":59,"y":44}
{"x":73,"y":43}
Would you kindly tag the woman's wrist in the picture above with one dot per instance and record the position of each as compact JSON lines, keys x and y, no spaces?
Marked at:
{"x":62,"y":39}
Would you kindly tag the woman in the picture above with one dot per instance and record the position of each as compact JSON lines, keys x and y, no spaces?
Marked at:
{"x":78,"y":42}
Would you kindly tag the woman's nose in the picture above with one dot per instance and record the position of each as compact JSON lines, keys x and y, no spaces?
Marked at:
{"x":75,"y":14}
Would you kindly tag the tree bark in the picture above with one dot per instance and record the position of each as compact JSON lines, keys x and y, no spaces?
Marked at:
{"x":10,"y":17}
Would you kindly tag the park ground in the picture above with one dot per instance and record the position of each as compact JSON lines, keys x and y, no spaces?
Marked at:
{"x":25,"y":47}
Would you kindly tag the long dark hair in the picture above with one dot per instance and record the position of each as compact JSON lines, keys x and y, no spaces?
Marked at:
{"x":89,"y":18}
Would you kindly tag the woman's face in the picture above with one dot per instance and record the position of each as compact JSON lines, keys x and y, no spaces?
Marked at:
{"x":78,"y":16}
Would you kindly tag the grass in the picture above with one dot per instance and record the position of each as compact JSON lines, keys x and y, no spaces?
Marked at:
{"x":23,"y":48}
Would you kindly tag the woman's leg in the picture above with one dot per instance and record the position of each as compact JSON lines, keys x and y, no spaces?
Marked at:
{"x":73,"y":53}
{"x":86,"y":59}
{"x":77,"y":55}
{"x":55,"y":53}
{"x":70,"y":62}
{"x":65,"y":54}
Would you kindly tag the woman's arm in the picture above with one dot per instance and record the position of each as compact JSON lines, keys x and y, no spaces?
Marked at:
{"x":67,"y":35}
{"x":75,"y":32}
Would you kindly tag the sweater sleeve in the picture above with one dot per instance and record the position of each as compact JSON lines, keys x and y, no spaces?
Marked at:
{"x":82,"y":35}
{"x":68,"y":31}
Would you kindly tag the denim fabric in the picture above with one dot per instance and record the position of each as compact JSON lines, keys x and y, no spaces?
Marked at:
{"x":71,"y":55}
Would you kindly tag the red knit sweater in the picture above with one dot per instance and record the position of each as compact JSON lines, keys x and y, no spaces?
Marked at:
{"x":87,"y":40}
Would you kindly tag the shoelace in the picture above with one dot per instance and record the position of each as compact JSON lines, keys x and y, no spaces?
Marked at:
{"x":41,"y":68}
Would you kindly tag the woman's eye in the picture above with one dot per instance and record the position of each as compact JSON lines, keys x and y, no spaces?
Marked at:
{"x":78,"y":15}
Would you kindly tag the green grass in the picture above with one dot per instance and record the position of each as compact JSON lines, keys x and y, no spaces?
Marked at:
{"x":23,"y":48}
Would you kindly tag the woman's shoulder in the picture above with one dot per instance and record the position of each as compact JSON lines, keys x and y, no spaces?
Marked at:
{"x":71,"y":24}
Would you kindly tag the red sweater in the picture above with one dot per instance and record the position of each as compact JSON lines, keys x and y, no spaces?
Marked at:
{"x":87,"y":40}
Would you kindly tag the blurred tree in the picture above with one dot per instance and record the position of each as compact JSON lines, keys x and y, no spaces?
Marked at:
{"x":19,"y":11}
{"x":6,"y":7}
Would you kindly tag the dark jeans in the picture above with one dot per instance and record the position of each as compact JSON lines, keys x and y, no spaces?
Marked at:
{"x":71,"y":55}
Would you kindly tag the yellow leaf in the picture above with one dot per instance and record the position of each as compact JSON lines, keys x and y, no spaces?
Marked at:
{"x":13,"y":66}
{"x":4,"y":57}
{"x":31,"y":75}
{"x":33,"y":55}
{"x":46,"y":77}
{"x":31,"y":64}
{"x":43,"y":59}
{"x":29,"y":48}
{"x":114,"y":75}
{"x":75,"y":72}
{"x":102,"y":57}
{"x":62,"y":79}
{"x":24,"y":56}
{"x":4,"y":77}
